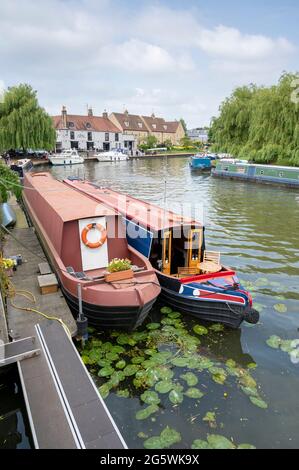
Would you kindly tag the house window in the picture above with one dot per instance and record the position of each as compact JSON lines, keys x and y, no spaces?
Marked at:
{"x":71,"y":124}
{"x":107,"y":137}
{"x":165,"y":128}
{"x":116,"y":137}
{"x":88,"y":125}
{"x":127,"y":123}
{"x":89,"y":136}
{"x":154,"y":126}
{"x":72,"y":135}
{"x":140,"y":125}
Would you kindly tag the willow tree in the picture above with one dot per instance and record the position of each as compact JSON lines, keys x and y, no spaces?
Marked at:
{"x":23,"y":123}
{"x":259,"y":123}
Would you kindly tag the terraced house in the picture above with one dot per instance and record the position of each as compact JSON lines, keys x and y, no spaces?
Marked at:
{"x":143,"y":126}
{"x":88,"y":132}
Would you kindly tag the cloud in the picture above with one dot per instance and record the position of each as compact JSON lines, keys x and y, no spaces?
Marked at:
{"x":231,"y":44}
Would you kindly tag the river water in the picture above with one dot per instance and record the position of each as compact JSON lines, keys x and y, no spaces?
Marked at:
{"x":255,"y":228}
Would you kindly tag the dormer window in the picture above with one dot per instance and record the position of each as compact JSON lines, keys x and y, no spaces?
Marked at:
{"x":127,"y":123}
{"x":154,"y":126}
{"x":71,"y":124}
{"x":165,"y":128}
{"x":88,"y":125}
{"x":140,"y":125}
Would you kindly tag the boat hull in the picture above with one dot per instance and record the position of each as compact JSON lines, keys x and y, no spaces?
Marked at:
{"x":63,"y":162}
{"x":225,"y":312}
{"x":107,"y":317}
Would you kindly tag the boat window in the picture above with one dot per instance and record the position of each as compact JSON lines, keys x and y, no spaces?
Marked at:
{"x":281,"y":174}
{"x":261,"y":172}
{"x":167,"y":253}
{"x":226,"y":168}
{"x":194,"y":247}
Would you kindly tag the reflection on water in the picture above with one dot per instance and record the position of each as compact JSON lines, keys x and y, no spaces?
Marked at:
{"x":14,"y":428}
{"x":256,"y":229}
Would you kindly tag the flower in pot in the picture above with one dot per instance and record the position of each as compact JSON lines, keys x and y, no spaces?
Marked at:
{"x":7,"y":265}
{"x":119,"y":269}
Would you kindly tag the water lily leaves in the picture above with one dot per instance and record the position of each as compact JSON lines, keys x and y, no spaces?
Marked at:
{"x":199,"y":444}
{"x":131,"y":370}
{"x":161,"y":357}
{"x":123,"y":393}
{"x":137,"y":360}
{"x":205,"y":363}
{"x":106,"y":372}
{"x":104,"y":363}
{"x":112,"y":356}
{"x":147,"y":412}
{"x":219,"y":442}
{"x":150,"y":398}
{"x":246,"y":446}
{"x":250,"y":392}
{"x":210,"y":418}
{"x":104,"y":391}
{"x":120,"y":364}
{"x":124,"y":339}
{"x":150,"y":352}
{"x":259,"y":402}
{"x":164,"y":387}
{"x":95,"y":355}
{"x":180,"y":361}
{"x":194,"y":393}
{"x":85,"y":360}
{"x":200,"y":330}
{"x":153,"y":326}
{"x":190,"y":378}
{"x":252,"y":365}
{"x":274,"y":342}
{"x":287,"y":346}
{"x":281,"y":308}
{"x":217,"y":328}
{"x":167,"y":438}
{"x":174,"y":315}
{"x":230,"y":363}
{"x":247,"y":381}
{"x":176,"y":397}
{"x":166,"y":310}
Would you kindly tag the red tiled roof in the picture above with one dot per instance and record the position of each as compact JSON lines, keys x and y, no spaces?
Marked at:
{"x":155,"y":124}
{"x":135,"y":122}
{"x":148,"y":123}
{"x":86,"y":123}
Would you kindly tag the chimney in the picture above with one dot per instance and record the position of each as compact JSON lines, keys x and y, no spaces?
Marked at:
{"x":126,"y":112}
{"x":90,"y":112}
{"x":64,"y":117}
{"x":105,"y":114}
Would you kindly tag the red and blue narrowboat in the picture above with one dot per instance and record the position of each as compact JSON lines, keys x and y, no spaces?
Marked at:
{"x":175,"y":246}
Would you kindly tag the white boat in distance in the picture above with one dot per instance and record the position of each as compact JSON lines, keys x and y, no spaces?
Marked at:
{"x":67,"y":157}
{"x":112,"y":156}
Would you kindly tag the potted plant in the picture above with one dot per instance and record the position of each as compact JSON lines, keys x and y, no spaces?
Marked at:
{"x":7,"y":265}
{"x":119,"y":270}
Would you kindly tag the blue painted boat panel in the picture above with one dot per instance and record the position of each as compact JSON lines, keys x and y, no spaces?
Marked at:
{"x":139,"y":238}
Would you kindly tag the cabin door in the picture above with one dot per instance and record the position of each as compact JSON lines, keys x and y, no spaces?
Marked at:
{"x":194,"y":247}
{"x":167,"y":246}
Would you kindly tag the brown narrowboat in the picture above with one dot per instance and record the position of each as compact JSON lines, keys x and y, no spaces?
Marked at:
{"x":80,"y":237}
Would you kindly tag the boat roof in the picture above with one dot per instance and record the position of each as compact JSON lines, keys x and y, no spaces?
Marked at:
{"x":146,"y":214}
{"x":65,"y":201}
{"x":245,"y":163}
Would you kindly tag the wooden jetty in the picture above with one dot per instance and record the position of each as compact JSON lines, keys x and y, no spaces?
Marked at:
{"x":64,"y":407}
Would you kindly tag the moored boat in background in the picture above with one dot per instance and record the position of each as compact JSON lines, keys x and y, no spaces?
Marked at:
{"x":80,"y":237}
{"x":67,"y":157}
{"x":175,"y":246}
{"x":112,"y":156}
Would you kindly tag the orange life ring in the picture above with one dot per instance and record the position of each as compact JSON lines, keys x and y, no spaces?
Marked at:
{"x":102,"y":239}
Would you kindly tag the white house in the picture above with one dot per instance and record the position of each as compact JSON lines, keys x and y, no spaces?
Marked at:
{"x":89,"y":132}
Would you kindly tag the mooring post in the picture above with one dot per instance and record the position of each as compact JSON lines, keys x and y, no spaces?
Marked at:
{"x":82,"y":322}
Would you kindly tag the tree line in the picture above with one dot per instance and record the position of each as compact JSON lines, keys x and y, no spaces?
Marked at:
{"x":260,"y":123}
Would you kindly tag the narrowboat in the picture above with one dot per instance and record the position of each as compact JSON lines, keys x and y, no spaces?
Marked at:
{"x":203,"y":162}
{"x":267,"y":174}
{"x":80,"y":237}
{"x":192,"y":279}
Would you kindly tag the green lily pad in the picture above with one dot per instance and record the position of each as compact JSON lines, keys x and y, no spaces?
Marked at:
{"x":164,"y":387}
{"x":259,"y":402}
{"x":131,"y":370}
{"x":85,"y":360}
{"x":167,"y":438}
{"x":194,"y":393}
{"x":210,"y":418}
{"x":219,"y":442}
{"x":153,"y":326}
{"x":190,"y":378}
{"x":150,"y":398}
{"x":180,"y":361}
{"x":176,"y":397}
{"x":231,"y":363}
{"x":200,"y":330}
{"x":274,"y":342}
{"x":247,"y":381}
{"x":246,"y":446}
{"x":281,"y":308}
{"x":252,"y":365}
{"x":199,"y":444}
{"x":217,"y":328}
{"x":205,"y":363}
{"x":123,"y":393}
{"x":174,"y":315}
{"x":137,"y":360}
{"x":121,"y":364}
{"x":104,"y":363}
{"x":106,"y":372}
{"x":147,"y":412}
{"x":166,"y":310}
{"x":250,"y":392}
{"x":104,"y":391}
{"x":153,"y":443}
{"x":287,"y":346}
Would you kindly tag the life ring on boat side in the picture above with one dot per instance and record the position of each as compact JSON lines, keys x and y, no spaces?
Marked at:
{"x":102,"y":240}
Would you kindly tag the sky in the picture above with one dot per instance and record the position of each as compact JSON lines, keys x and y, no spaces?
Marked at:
{"x":178,"y":59}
